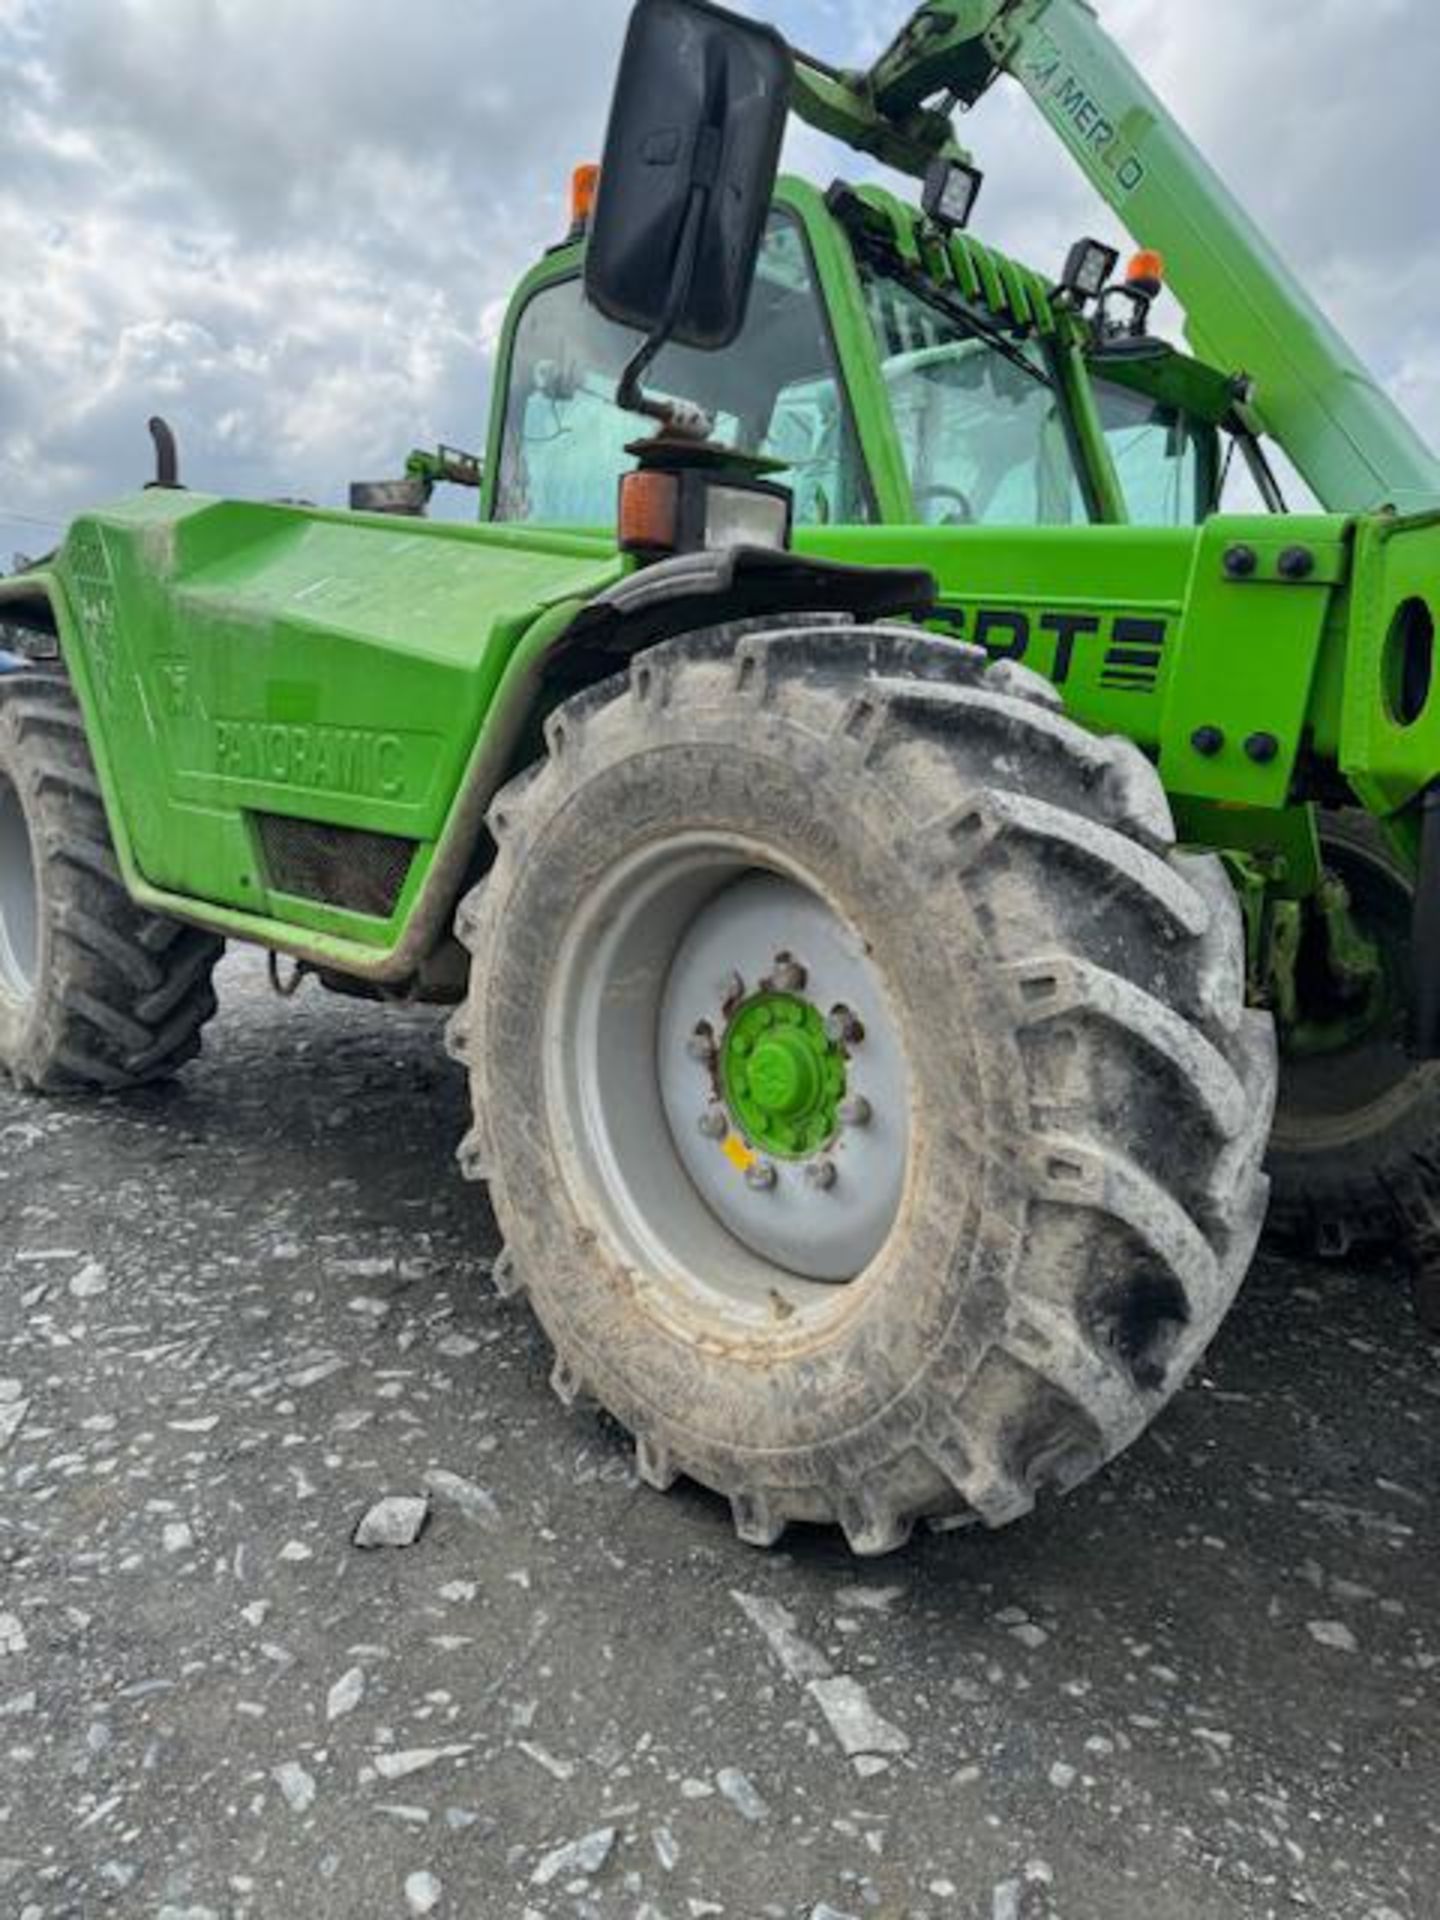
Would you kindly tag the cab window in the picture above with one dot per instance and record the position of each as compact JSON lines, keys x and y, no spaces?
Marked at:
{"x":775,"y":392}
{"x":980,"y":424}
{"x":1162,"y":457}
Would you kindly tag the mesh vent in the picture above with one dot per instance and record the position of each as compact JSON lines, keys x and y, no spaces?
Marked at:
{"x":338,"y":866}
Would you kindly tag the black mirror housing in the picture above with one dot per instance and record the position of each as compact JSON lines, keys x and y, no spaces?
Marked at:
{"x":690,"y":160}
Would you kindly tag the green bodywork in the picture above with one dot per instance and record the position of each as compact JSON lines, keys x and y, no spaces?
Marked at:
{"x":237,"y":661}
{"x":373,"y":674}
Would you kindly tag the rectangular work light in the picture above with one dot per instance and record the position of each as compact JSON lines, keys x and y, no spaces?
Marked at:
{"x":950,"y":192}
{"x":1089,"y":270}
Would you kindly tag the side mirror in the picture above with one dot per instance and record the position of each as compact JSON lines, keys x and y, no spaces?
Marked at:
{"x":690,"y":161}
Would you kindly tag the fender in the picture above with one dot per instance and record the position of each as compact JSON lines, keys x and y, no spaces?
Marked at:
{"x":742,"y":583}
{"x":568,"y":645}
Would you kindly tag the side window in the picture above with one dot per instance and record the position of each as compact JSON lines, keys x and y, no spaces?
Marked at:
{"x":1258,"y":476}
{"x":1160,"y":455}
{"x":774,"y":392}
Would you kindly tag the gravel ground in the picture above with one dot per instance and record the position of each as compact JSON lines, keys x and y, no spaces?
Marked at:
{"x":238,"y":1312}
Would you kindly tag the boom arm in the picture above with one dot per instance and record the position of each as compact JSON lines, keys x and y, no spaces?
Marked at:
{"x":1245,"y":311}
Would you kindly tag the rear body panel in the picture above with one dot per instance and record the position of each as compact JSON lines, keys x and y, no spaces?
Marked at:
{"x":239,"y":664}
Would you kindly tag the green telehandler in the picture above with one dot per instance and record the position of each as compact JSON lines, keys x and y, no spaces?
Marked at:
{"x":872,"y":798}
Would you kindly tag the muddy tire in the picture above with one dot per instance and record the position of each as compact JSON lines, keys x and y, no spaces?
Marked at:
{"x":95,"y":994}
{"x":1355,"y":1152}
{"x":1054,"y":1104}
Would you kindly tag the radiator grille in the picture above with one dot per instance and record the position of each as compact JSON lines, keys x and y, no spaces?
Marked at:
{"x":338,"y":866}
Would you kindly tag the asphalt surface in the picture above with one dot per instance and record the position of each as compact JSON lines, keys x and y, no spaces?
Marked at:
{"x":236,"y":1313}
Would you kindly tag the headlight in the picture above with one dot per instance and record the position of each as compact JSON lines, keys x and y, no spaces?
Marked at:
{"x":746,"y":517}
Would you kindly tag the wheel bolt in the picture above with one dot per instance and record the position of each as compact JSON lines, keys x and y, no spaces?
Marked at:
{"x":762,"y":1177}
{"x":842,"y":1029}
{"x":732,"y":990}
{"x":715,"y":1124}
{"x":822,"y":1175}
{"x":789,"y":975}
{"x":856,"y":1112}
{"x":701,"y":1044}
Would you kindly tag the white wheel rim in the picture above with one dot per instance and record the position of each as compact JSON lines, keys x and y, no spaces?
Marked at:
{"x":19,"y":900}
{"x":650,"y":957}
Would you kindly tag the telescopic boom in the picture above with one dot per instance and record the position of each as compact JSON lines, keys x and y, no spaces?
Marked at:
{"x":1245,"y":311}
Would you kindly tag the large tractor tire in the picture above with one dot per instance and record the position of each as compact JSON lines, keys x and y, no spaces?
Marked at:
{"x":1355,"y":1155}
{"x":864,"y":1085}
{"x":95,"y":994}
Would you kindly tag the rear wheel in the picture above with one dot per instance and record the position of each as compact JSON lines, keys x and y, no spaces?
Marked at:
{"x":1355,"y":1155}
{"x":94,"y":992}
{"x":864,"y":1084}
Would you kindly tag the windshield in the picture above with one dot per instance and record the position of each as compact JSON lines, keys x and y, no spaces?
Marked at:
{"x":981,"y":426}
{"x":774,"y":392}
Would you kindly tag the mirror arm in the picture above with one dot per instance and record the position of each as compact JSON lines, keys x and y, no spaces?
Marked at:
{"x":681,"y":417}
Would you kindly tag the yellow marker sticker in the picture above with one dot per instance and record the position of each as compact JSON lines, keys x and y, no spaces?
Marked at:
{"x":738,"y":1154}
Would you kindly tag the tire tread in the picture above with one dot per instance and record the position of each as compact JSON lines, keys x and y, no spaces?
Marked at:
{"x":127,"y":992}
{"x":1008,"y":797}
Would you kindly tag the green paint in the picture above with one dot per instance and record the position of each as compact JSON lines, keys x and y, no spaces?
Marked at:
{"x":783,"y":1078}
{"x":1087,"y":435}
{"x":1325,"y":977}
{"x":1282,"y":847}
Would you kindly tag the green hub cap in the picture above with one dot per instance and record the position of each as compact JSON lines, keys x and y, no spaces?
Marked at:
{"x":782,"y":1076}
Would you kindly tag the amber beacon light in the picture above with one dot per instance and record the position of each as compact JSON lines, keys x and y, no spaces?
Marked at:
{"x":584,"y":186}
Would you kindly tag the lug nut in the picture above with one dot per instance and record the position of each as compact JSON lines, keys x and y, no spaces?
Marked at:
{"x":732,"y":990}
{"x":842,"y":1029}
{"x":856,"y":1112}
{"x":701,"y":1044}
{"x":715,"y":1124}
{"x":822,"y":1175}
{"x":789,"y":976}
{"x":761,"y":1177}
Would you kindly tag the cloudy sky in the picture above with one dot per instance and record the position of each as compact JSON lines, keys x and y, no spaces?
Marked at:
{"x":291,"y":225}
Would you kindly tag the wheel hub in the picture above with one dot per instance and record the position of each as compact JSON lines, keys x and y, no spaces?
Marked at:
{"x":782,"y":1076}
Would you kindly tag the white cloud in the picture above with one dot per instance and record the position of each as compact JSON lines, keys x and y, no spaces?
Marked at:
{"x":293,"y":228}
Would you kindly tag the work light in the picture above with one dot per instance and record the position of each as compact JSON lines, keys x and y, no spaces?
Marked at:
{"x":950,"y":192}
{"x":1088,"y":270}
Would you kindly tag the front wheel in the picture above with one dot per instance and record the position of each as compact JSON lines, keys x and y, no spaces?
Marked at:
{"x":864,"y":1084}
